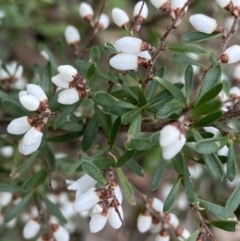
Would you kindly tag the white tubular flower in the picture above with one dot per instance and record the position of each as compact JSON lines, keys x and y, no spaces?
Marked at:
{"x":31,"y":141}
{"x":137,"y":9}
{"x":124,"y":62}
{"x":97,"y":222}
{"x":203,"y":23}
{"x":144,"y":221}
{"x":113,"y":218}
{"x":177,"y":4}
{"x":172,"y":140}
{"x":86,"y":201}
{"x":60,"y":233}
{"x":158,"y":3}
{"x":173,"y":220}
{"x":236,"y":73}
{"x":231,"y":55}
{"x":72,"y":35}
{"x":162,"y":236}
{"x":103,"y":21}
{"x":157,"y":204}
{"x":223,"y":3}
{"x":19,"y":126}
{"x":86,"y":11}
{"x":120,"y":18}
{"x":6,"y":151}
{"x":118,"y":193}
{"x":182,"y":234}
{"x":236,"y":3}
{"x":5,"y":198}
{"x":156,"y":225}
{"x":228,"y":23}
{"x":31,"y":228}
{"x":131,"y":45}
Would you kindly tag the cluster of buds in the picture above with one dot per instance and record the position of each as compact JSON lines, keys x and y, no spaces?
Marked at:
{"x":152,"y":219}
{"x":173,"y":138}
{"x":121,"y":19}
{"x":33,"y":99}
{"x":103,"y":204}
{"x":87,"y":13}
{"x":71,"y":84}
{"x":133,"y":53}
{"x":11,"y":76}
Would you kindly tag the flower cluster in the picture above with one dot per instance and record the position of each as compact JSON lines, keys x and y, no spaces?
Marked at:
{"x":71,"y":84}
{"x":103,"y":204}
{"x":33,"y":99}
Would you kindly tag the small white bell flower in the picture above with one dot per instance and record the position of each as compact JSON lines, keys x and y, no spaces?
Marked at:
{"x":86,"y":11}
{"x":72,"y":35}
{"x":177,"y":4}
{"x":137,"y":9}
{"x":162,"y":236}
{"x":31,"y":228}
{"x":157,"y":204}
{"x":173,"y":220}
{"x":144,"y":222}
{"x":19,"y":126}
{"x":60,"y":233}
{"x":156,"y":226}
{"x":228,"y":23}
{"x":124,"y":61}
{"x":236,"y":73}
{"x":182,"y":234}
{"x":120,"y":18}
{"x":97,"y":222}
{"x":158,"y":3}
{"x":113,"y":218}
{"x":103,"y":21}
{"x":203,"y":23}
{"x":231,"y":55}
{"x":223,"y":3}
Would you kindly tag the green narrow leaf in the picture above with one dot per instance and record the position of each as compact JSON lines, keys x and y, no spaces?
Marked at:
{"x":110,"y":49}
{"x":61,"y":51}
{"x":231,"y":160}
{"x":46,"y":82}
{"x":169,"y":108}
{"x":188,"y":184}
{"x":158,"y":174}
{"x":94,"y":54}
{"x":114,"y":130}
{"x":105,"y":121}
{"x":172,"y":89}
{"x":66,"y":137}
{"x":103,"y":162}
{"x":53,"y":208}
{"x":134,"y":129}
{"x":212,"y":78}
{"x":207,"y":108}
{"x":180,"y":58}
{"x":35,"y":180}
{"x":142,"y":144}
{"x":192,"y":37}
{"x":110,"y":101}
{"x":52,"y":60}
{"x":172,"y":196}
{"x":90,"y":133}
{"x":131,"y":115}
{"x":186,"y":48}
{"x":178,"y":163}
{"x":135,"y":167}
{"x":189,"y":77}
{"x":91,"y":70}
{"x":9,"y":188}
{"x":93,"y":171}
{"x":193,"y":236}
{"x":233,"y":201}
{"x":18,"y":208}
{"x":213,"y":58}
{"x":14,"y":108}
{"x":126,"y":187}
{"x":141,"y":97}
{"x":51,"y":158}
{"x":125,"y":157}
{"x":230,"y":226}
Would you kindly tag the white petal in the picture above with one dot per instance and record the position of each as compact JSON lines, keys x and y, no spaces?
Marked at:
{"x":236,"y":72}
{"x":97,"y":223}
{"x":223,"y":151}
{"x":176,"y":4}
{"x":29,"y":102}
{"x":173,"y":220}
{"x":83,"y":184}
{"x":157,"y":204}
{"x":104,"y":20}
{"x":173,"y":149}
{"x":71,"y":34}
{"x":228,"y":22}
{"x":32,"y":137}
{"x":222,"y":3}
{"x":20,"y":83}
{"x":156,"y":227}
{"x":67,"y":210}
{"x":19,"y":126}
{"x":61,"y":234}
{"x":96,"y":209}
{"x":185,"y":235}
{"x":36,"y":91}
{"x":158,"y":3}
{"x":236,"y":3}
{"x":67,"y":72}
{"x":22,"y":93}
{"x":168,"y":135}
{"x":85,"y":9}
{"x":5,"y":198}
{"x":235,"y":91}
{"x":6,"y":151}
{"x":118,"y":193}
{"x":31,"y":229}
{"x":129,"y":45}
{"x":212,"y":130}
{"x":113,"y":217}
{"x":233,"y":54}
{"x":68,"y":97}
{"x":138,"y":7}
{"x":86,"y":201}
{"x":60,"y":82}
{"x":145,"y":54}
{"x":124,"y":62}
{"x":120,"y":18}
{"x":18,"y":72}
{"x":203,"y":23}
{"x":144,"y":223}
{"x":26,"y":150}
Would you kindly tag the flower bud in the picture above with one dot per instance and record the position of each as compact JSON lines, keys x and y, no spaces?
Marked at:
{"x":172,"y":220}
{"x":113,"y":217}
{"x":158,"y":3}
{"x":144,"y":221}
{"x":103,"y":21}
{"x":156,"y":225}
{"x":86,"y":11}
{"x":60,"y":233}
{"x":231,"y":55}
{"x":124,"y":62}
{"x":203,"y":23}
{"x":156,"y":204}
{"x":223,"y":3}
{"x":182,"y":234}
{"x":68,"y":96}
{"x":236,"y":74}
{"x":162,"y":236}
{"x":131,"y":45}
{"x":72,"y":35}
{"x":31,"y":228}
{"x":137,"y":9}
{"x":120,"y":18}
{"x":177,"y":4}
{"x":19,"y":126}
